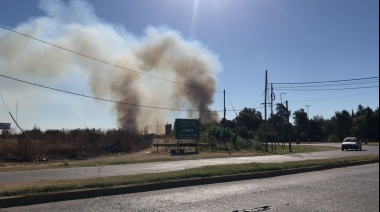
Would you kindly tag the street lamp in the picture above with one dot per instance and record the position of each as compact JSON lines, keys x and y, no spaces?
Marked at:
{"x":281,"y":97}
{"x":308,"y":128}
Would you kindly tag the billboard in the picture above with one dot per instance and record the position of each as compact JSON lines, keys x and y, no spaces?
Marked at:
{"x":187,"y":129}
{"x":5,"y":126}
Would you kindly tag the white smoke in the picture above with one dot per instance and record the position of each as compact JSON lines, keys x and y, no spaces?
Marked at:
{"x":160,"y":52}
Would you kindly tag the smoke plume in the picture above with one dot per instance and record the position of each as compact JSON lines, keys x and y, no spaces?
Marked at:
{"x":160,"y":52}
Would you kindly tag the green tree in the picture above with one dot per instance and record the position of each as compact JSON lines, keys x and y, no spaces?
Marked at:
{"x":342,"y":123}
{"x":249,"y":118}
{"x":247,"y":122}
{"x":364,"y":124}
{"x":327,"y":129}
{"x":278,"y":123}
{"x":315,"y":130}
{"x":300,"y":124}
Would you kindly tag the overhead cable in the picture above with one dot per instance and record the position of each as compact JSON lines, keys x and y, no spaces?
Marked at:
{"x":15,"y":120}
{"x":317,"y":82}
{"x":327,"y":89}
{"x":101,"y":99}
{"x":337,"y":97}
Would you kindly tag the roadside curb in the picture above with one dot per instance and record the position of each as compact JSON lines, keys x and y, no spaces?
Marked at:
{"x":91,"y":193}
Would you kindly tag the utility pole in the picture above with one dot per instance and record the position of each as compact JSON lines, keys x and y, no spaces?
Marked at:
{"x":16,"y":113}
{"x":265,"y":110}
{"x":282,"y":132}
{"x":272,"y":98}
{"x":224,"y":117}
{"x":287,"y":118}
{"x":281,"y":96}
{"x":308,"y":127}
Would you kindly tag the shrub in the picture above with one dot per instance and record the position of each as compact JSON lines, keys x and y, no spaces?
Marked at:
{"x":71,"y":143}
{"x":333,"y":138}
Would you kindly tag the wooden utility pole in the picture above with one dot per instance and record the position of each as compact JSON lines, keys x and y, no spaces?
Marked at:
{"x":287,"y":118}
{"x":265,"y":110}
{"x":272,"y":97}
{"x":224,"y":117}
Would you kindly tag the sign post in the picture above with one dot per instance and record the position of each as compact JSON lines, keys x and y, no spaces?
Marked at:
{"x":188,"y":129}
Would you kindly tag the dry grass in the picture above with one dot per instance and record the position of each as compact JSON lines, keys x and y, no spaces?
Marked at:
{"x":150,"y":155}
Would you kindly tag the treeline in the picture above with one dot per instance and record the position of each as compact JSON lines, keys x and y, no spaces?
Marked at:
{"x":249,"y":124}
{"x":37,"y":145}
{"x":248,"y":130}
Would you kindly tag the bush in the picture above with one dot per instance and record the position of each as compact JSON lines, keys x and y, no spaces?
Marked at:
{"x":333,"y":138}
{"x":58,"y":144}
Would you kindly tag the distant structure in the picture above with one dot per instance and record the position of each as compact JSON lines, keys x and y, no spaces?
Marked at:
{"x":5,"y":126}
{"x":168,"y":129}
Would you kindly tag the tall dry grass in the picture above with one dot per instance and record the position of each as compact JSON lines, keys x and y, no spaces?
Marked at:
{"x":77,"y":143}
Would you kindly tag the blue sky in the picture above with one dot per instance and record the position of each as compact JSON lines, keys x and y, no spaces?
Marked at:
{"x":294,"y":40}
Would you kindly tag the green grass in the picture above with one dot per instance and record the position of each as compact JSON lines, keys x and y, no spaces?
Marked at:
{"x":47,"y":187}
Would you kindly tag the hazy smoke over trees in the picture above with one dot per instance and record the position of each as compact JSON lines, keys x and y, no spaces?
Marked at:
{"x":159,"y":52}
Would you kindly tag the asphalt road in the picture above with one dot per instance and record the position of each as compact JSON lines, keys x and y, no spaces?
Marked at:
{"x":353,"y":188}
{"x":17,"y":177}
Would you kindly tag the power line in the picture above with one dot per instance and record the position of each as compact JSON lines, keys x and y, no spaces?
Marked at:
{"x":344,"y":80}
{"x":15,"y":120}
{"x":328,"y":89}
{"x":231,"y":104}
{"x":101,"y":99}
{"x":331,"y":85}
{"x":311,"y":100}
{"x":105,"y":62}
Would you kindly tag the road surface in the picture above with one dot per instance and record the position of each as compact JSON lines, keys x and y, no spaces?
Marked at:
{"x":347,"y":189}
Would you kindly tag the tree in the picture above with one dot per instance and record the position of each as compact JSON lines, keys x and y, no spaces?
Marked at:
{"x":376,"y":125}
{"x":315,"y":131}
{"x":364,"y":124}
{"x":278,"y":123}
{"x":249,"y":118}
{"x":230,"y":124}
{"x":342,"y":123}
{"x":301,"y":124}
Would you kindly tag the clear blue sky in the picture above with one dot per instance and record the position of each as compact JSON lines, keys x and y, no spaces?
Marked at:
{"x":295,"y":40}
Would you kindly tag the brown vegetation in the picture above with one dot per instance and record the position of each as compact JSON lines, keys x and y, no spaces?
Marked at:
{"x":62,"y":144}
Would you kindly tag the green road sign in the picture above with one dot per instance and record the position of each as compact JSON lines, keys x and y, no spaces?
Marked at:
{"x":187,"y":129}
